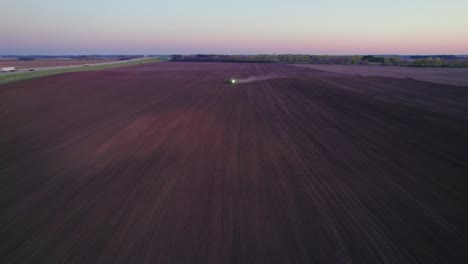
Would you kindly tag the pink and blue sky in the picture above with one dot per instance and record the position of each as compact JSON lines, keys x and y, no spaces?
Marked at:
{"x":233,"y":27}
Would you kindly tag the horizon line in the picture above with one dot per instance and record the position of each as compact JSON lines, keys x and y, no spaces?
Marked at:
{"x":237,"y":54}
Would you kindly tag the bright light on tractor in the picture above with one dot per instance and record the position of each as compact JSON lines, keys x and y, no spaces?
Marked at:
{"x":231,"y":81}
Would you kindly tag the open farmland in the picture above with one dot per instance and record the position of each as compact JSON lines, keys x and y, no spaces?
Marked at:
{"x":41,"y":63}
{"x":165,"y":163}
{"x":452,"y":76}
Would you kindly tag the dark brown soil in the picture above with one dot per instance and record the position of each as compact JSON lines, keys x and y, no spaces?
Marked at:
{"x":165,"y":163}
{"x":451,"y":76}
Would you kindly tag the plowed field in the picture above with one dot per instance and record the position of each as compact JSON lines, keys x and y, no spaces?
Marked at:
{"x":166,"y":163}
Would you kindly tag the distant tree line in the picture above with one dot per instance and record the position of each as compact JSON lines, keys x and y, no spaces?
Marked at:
{"x":225,"y":58}
{"x":442,"y":57}
{"x":415,"y":61}
{"x":25,"y":58}
{"x":428,"y":62}
{"x":440,"y":62}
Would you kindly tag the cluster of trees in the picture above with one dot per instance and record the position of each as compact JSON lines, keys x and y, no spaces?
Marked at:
{"x":444,"y":61}
{"x":428,"y":62}
{"x":25,"y":58}
{"x":421,"y":61}
{"x":443,"y":57}
{"x":394,"y":60}
{"x":372,"y":59}
{"x":177,"y":57}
